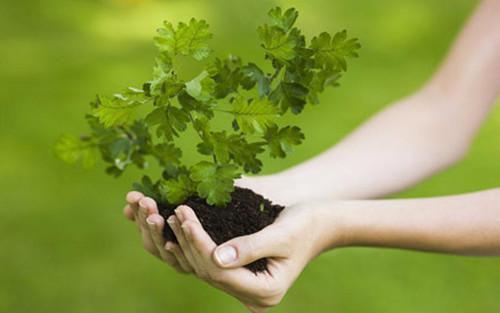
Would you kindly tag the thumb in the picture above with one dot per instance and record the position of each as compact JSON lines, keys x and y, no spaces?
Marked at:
{"x":240,"y":251}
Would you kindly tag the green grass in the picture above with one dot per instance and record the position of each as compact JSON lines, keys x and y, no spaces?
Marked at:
{"x":66,"y":248}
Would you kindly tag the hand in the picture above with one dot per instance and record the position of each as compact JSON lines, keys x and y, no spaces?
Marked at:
{"x":143,"y":210}
{"x":296,"y":237}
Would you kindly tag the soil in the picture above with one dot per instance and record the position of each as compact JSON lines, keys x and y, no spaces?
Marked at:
{"x":246,"y":214}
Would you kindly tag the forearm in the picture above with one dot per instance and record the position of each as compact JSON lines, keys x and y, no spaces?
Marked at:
{"x":471,"y":72}
{"x":414,"y":138}
{"x":467,"y":224}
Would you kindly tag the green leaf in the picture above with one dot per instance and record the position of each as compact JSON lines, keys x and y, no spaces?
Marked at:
{"x":284,"y":20}
{"x":320,"y":81}
{"x":232,"y":147}
{"x":290,"y":95}
{"x":167,"y":154}
{"x":178,"y":190}
{"x":227,"y":75}
{"x":278,"y":43}
{"x":201,"y":87}
{"x":245,"y":155}
{"x":148,"y":188}
{"x":255,"y":76}
{"x":170,"y":121}
{"x":190,"y":104}
{"x":71,"y":150}
{"x":332,"y":52}
{"x":256,"y":116}
{"x":165,"y":82}
{"x":214,"y":182}
{"x":187,"y":39}
{"x":281,"y":141}
{"x":120,"y":109}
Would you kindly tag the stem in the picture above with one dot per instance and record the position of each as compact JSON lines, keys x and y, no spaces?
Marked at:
{"x":200,"y":135}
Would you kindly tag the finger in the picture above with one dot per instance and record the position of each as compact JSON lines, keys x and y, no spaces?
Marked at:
{"x":194,"y":232}
{"x":179,"y":255}
{"x":156,"y":224}
{"x":147,"y":205}
{"x":237,"y":281}
{"x":174,"y":224}
{"x":240,"y":251}
{"x":129,"y":213}
{"x":133,"y":199}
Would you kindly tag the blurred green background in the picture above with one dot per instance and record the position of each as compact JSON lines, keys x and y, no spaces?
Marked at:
{"x":64,"y":246}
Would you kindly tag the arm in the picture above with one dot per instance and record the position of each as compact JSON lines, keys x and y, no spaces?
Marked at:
{"x":412,"y":139}
{"x":466,"y":224}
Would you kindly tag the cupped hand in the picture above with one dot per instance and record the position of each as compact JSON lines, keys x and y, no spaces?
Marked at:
{"x":290,"y":244}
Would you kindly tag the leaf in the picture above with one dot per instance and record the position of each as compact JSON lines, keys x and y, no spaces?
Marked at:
{"x":227,"y":75}
{"x":284,"y":20}
{"x":201,"y":87}
{"x":71,"y":150}
{"x":214,"y":182}
{"x":188,"y":39}
{"x":256,"y":116}
{"x":120,"y":109}
{"x":170,"y":121}
{"x":178,"y":190}
{"x":148,"y":188}
{"x":245,"y":155}
{"x":281,"y":141}
{"x":164,"y":82}
{"x":167,"y":154}
{"x":332,"y":52}
{"x":290,"y":95}
{"x":256,"y":76}
{"x":189,"y":103}
{"x":320,"y":81}
{"x":278,"y":43}
{"x":233,"y":147}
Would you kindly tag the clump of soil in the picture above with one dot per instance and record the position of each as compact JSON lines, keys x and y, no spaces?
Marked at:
{"x":247,"y":213}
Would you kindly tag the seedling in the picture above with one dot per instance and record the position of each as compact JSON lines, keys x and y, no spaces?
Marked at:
{"x":255,"y":99}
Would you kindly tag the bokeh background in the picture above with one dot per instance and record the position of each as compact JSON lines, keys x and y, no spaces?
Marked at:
{"x":64,"y":246}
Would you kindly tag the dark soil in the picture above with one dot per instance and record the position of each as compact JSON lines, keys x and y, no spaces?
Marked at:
{"x":246,"y":214}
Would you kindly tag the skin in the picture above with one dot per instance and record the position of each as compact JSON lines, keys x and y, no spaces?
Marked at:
{"x":409,"y":141}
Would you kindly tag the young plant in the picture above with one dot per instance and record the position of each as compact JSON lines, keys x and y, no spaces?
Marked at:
{"x":254,"y":98}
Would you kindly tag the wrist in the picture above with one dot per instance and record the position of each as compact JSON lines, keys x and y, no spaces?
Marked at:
{"x":280,"y":188}
{"x":331,"y":226}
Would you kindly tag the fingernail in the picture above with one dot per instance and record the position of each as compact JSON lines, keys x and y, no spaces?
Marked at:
{"x":179,"y":214}
{"x":150,"y":221}
{"x":226,"y":255}
{"x":171,"y":220}
{"x":169,"y":245}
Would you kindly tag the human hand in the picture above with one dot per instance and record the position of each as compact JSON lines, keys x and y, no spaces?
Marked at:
{"x":296,"y":237}
{"x":143,"y":210}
